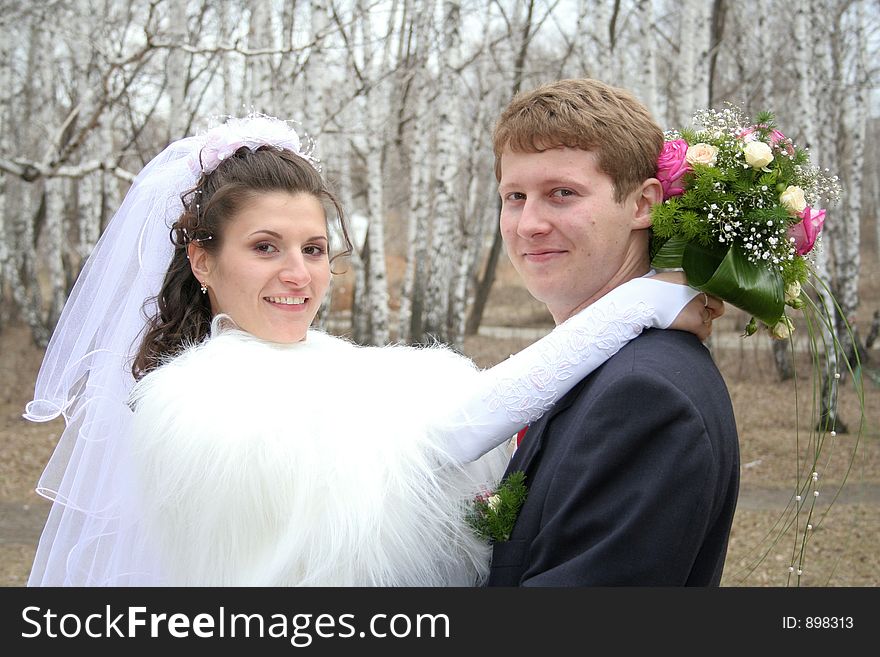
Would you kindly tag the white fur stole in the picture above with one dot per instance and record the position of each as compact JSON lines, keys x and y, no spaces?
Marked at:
{"x":306,"y":464}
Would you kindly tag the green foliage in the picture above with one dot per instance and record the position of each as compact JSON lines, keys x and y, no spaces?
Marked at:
{"x":493,"y":516}
{"x":796,"y":269}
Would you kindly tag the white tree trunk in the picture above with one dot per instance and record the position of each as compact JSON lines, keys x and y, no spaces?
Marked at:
{"x":847,"y":252}
{"x":819,"y":81}
{"x":686,"y":63}
{"x":315,"y":106}
{"x":444,"y":252}
{"x":377,"y":115}
{"x":20,"y":202}
{"x":231,"y":82}
{"x":693,"y":60}
{"x":6,"y":146}
{"x":598,"y":18}
{"x":851,"y":155}
{"x":421,"y":175}
{"x":802,"y":49}
{"x":260,"y":88}
{"x":5,"y":263}
{"x":647,"y":71}
{"x":53,"y":243}
{"x":378,"y":280}
{"x":315,"y":73}
{"x":176,"y":71}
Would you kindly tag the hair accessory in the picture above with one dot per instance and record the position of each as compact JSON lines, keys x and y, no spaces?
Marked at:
{"x":252,"y":131}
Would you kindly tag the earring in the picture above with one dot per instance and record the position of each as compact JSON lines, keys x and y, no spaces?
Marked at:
{"x":204,"y":288}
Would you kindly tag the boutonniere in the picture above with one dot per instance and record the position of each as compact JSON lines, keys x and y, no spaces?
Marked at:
{"x":493,"y":514}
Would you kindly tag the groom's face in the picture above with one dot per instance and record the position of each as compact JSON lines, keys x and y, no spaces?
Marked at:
{"x":563,"y":230}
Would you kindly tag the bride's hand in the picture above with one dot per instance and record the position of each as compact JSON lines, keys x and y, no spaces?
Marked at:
{"x":697,"y":316}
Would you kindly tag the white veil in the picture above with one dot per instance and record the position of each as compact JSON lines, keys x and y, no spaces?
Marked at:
{"x":92,"y":533}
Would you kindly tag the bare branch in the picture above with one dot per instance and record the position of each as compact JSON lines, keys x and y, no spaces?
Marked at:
{"x":31,"y":171}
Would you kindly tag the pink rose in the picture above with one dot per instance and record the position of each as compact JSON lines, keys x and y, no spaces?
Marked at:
{"x":776,"y":138}
{"x":671,"y":167}
{"x":782,"y":142}
{"x":806,"y":232}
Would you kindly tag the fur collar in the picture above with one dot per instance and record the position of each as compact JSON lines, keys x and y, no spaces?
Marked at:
{"x":306,"y":464}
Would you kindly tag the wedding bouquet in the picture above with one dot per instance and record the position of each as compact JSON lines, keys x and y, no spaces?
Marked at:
{"x":740,"y":213}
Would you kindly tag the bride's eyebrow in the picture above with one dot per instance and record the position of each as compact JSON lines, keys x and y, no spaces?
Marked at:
{"x":264,"y":231}
{"x":279,"y":236}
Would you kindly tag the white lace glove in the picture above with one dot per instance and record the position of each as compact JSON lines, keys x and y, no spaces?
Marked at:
{"x":500,"y":401}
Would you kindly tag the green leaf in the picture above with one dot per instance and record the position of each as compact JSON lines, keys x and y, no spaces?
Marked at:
{"x":670,"y":254}
{"x":729,"y":275}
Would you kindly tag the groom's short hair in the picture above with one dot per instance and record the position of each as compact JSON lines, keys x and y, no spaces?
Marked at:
{"x":588,"y":115}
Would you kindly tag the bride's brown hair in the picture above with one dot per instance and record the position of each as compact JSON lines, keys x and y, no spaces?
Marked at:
{"x":184,"y":312}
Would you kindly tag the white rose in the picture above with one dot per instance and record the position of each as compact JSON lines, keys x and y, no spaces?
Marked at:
{"x":702,"y":154}
{"x":793,"y":200}
{"x":792,"y":291}
{"x":758,"y":154}
{"x":493,"y":502}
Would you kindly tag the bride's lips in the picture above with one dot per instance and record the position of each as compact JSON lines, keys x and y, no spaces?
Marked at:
{"x":288,"y":302}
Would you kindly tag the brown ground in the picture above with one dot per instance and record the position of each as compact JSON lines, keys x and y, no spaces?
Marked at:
{"x":767,"y":536}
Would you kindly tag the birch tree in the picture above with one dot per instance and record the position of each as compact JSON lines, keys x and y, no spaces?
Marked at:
{"x":370,"y":67}
{"x":314,"y":99}
{"x":817,"y":70}
{"x":597,"y":15}
{"x":410,"y":318}
{"x":258,"y":78}
{"x":851,"y":155}
{"x":692,"y":69}
{"x":647,"y":70}
{"x":24,"y":205}
{"x":445,"y":239}
{"x":421,"y":169}
{"x":176,"y":66}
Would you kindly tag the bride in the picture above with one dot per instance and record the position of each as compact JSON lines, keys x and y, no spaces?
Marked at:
{"x":213,"y":438}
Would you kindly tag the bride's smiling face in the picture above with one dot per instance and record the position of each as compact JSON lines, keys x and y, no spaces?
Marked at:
{"x":272,"y":269}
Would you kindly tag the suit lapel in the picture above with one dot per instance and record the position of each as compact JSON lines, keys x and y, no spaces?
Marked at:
{"x":527,"y":453}
{"x":529,"y":449}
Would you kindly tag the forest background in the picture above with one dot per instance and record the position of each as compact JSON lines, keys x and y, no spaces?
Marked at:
{"x":400,"y":97}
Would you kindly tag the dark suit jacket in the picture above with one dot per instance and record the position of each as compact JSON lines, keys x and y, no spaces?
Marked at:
{"x":633,"y":475}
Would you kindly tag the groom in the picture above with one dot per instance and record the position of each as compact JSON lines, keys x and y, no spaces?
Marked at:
{"x":633,"y":475}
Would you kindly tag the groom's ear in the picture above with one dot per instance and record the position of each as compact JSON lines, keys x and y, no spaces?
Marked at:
{"x":650,"y":193}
